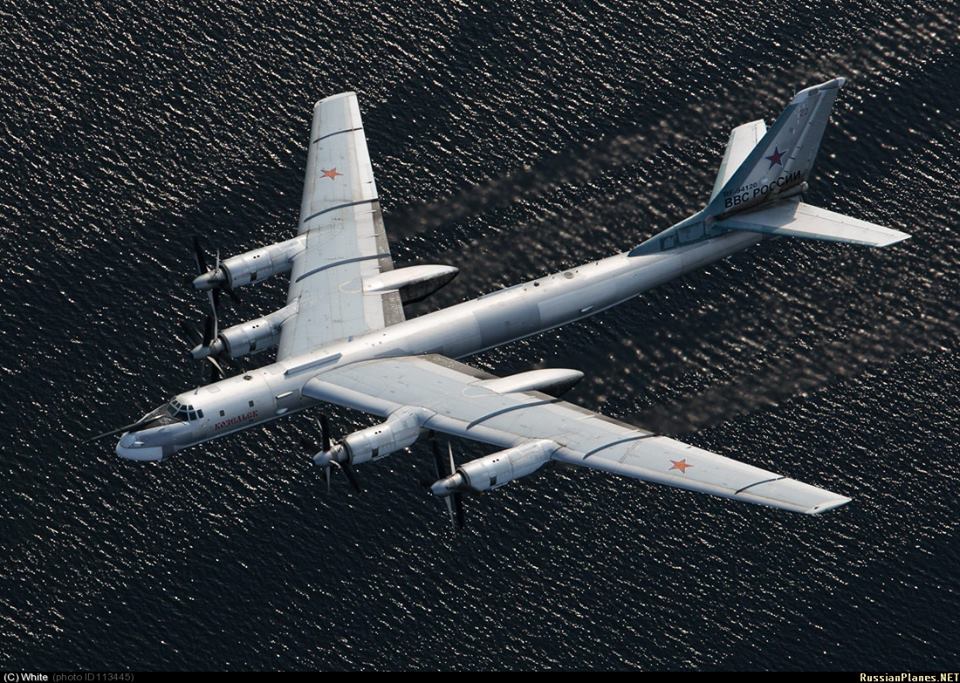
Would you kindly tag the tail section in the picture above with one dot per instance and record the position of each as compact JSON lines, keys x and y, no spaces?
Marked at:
{"x":782,"y":160}
{"x":762,"y":173}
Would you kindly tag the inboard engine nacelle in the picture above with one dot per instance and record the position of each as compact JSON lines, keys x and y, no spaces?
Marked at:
{"x":495,"y":470}
{"x":400,"y":431}
{"x":252,"y":266}
{"x":251,"y":337}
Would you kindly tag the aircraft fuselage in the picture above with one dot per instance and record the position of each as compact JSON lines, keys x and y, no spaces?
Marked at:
{"x":274,"y":391}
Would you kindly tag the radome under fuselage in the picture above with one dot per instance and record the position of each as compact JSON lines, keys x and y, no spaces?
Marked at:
{"x":274,"y":391}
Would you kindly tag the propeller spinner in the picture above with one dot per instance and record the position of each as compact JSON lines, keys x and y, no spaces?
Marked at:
{"x":333,"y":454}
{"x":451,"y":487}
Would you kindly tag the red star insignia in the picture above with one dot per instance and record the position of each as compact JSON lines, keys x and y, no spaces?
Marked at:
{"x":681,"y":465}
{"x":776,"y":157}
{"x":331,"y":174}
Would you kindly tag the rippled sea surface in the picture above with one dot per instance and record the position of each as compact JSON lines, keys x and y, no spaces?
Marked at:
{"x":510,"y":142}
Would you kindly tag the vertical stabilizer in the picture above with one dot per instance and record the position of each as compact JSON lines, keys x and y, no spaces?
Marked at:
{"x":760,"y":168}
{"x":781,"y":162}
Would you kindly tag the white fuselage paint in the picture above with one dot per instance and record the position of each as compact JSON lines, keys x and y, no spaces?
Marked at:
{"x":274,"y":391}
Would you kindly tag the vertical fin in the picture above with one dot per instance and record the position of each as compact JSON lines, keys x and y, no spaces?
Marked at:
{"x":775,"y":168}
{"x":781,"y":162}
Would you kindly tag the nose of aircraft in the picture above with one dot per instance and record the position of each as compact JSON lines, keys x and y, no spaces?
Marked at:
{"x":130,"y":448}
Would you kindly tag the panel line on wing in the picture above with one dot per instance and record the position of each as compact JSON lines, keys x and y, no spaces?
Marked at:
{"x":339,"y":206}
{"x":757,"y":483}
{"x":510,"y":409}
{"x":337,"y":264}
{"x":617,"y":443}
{"x":336,"y":132}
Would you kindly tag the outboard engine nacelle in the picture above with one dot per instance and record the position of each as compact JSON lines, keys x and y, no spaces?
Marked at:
{"x":259,"y":264}
{"x":400,"y":431}
{"x":495,"y":470}
{"x":252,"y":266}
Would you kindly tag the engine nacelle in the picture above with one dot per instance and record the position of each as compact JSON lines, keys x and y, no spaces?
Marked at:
{"x":495,"y":470}
{"x":260,"y":264}
{"x":400,"y":431}
{"x":251,"y":337}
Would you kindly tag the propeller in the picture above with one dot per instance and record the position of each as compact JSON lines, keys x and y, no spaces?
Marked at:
{"x":205,"y":346}
{"x":455,"y":499}
{"x":214,"y":279}
{"x":207,"y":278}
{"x":206,"y":343}
{"x":447,"y":487}
{"x":333,"y":454}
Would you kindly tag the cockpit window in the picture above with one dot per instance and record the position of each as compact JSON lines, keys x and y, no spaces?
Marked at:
{"x":181,"y":411}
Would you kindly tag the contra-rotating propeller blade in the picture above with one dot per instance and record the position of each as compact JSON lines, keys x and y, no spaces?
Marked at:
{"x":437,"y":458}
{"x":199,"y":257}
{"x":208,"y":278}
{"x":204,"y":340}
{"x":333,"y":454}
{"x":448,"y":486}
{"x":455,"y":499}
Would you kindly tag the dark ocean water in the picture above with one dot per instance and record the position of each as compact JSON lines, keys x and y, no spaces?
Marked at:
{"x":510,"y":142}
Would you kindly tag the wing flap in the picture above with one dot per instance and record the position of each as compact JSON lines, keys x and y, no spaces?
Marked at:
{"x":797,"y":219}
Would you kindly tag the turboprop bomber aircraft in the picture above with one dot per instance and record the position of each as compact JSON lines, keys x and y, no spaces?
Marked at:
{"x":343,"y":338}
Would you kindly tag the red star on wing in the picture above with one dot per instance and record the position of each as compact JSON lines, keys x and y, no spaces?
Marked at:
{"x":331,"y":174}
{"x":681,"y":465}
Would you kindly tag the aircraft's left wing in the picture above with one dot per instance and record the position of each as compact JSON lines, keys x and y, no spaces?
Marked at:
{"x":462,"y":401}
{"x":345,"y":239}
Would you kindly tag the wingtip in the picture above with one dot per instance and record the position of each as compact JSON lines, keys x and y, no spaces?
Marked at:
{"x":832,"y":84}
{"x":894,"y":239}
{"x":831,"y":504}
{"x":331,"y":98}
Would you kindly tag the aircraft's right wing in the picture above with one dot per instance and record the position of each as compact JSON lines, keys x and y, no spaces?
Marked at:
{"x":457,"y":399}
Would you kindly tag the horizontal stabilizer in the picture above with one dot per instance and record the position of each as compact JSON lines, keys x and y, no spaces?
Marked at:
{"x":796,"y":219}
{"x":742,"y":141}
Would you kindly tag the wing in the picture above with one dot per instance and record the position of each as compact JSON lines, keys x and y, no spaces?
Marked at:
{"x":465,"y":402}
{"x":345,"y":239}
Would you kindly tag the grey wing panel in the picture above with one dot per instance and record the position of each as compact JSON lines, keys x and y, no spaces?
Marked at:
{"x":345,"y":243}
{"x":457,"y":401}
